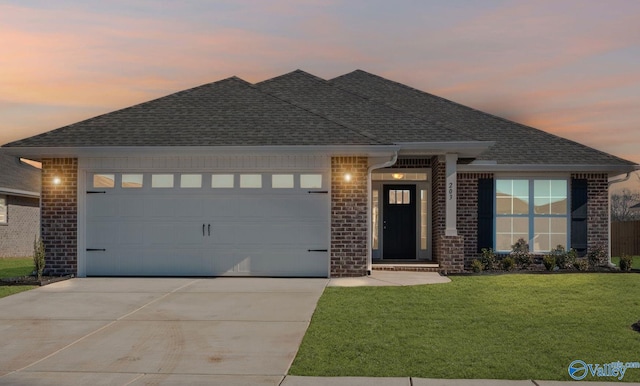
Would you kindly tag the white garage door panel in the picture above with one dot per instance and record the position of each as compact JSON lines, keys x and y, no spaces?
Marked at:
{"x":220,"y":207}
{"x":207,"y":231}
{"x":160,"y":209}
{"x":131,"y":206}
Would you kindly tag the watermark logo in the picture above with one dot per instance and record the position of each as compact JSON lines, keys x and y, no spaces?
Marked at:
{"x":579,"y":370}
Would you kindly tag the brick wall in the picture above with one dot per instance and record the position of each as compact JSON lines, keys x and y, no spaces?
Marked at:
{"x":597,"y":209}
{"x":452,"y":254}
{"x":467,"y":213}
{"x":349,"y":216}
{"x":22,"y":227}
{"x":59,"y":215}
{"x":438,"y":206}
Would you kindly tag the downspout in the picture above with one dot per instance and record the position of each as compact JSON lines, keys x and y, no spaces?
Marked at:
{"x":623,"y":179}
{"x":391,"y":162}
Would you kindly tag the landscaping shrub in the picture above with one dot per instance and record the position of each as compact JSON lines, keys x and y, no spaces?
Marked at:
{"x":626,"y":262}
{"x":582,"y":264}
{"x":567,"y":259}
{"x":549,"y":262}
{"x":488,"y":259}
{"x":508,"y":263}
{"x":596,"y":256}
{"x":520,"y":254}
{"x":38,"y":257}
{"x":476,"y":265}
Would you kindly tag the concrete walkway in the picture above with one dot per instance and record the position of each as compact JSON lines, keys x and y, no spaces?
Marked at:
{"x":390,"y":278}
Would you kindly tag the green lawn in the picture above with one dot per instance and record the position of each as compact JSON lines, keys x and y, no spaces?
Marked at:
{"x":12,"y":267}
{"x":635,"y":265}
{"x":505,"y":327}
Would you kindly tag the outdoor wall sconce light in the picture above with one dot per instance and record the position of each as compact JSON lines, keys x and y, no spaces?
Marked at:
{"x":57,"y":180}
{"x":347,"y":177}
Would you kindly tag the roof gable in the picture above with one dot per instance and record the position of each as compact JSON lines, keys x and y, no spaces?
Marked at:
{"x":373,"y":119}
{"x":515,"y":143}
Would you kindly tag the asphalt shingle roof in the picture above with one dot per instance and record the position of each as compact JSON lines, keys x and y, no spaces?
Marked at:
{"x":515,"y":143}
{"x":299,"y":109}
{"x":15,"y":175}
{"x":229,"y":112}
{"x":376,"y":120}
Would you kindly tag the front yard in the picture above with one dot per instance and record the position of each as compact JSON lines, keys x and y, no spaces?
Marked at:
{"x":518,"y":326}
{"x":12,"y":267}
{"x":635,"y":265}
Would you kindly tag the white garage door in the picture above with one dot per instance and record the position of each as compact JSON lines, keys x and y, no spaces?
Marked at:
{"x":207,"y":224}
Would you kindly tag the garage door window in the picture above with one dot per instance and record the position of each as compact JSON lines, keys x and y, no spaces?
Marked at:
{"x":132,"y":181}
{"x":251,"y":181}
{"x":311,"y":181}
{"x":191,"y":181}
{"x":282,"y":181}
{"x":104,"y":181}
{"x":222,"y":181}
{"x":162,"y":181}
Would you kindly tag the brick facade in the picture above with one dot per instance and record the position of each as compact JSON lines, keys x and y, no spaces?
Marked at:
{"x":451,"y":254}
{"x":597,"y":209}
{"x":448,"y":251}
{"x":467,"y":213}
{"x":59,"y":222}
{"x":22,"y":227}
{"x":438,"y":206}
{"x":349,"y":216}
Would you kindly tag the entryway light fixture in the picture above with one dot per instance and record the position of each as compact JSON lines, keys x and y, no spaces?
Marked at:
{"x":57,"y":180}
{"x":347,"y":177}
{"x":397,"y":176}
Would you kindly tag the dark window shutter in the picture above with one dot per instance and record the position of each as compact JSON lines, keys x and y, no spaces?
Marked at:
{"x":579,"y":200}
{"x":486,"y":198}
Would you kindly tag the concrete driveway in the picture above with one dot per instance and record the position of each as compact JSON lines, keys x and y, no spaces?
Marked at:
{"x":132,"y":331}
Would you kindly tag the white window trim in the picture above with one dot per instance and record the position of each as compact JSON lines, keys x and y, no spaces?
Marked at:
{"x":531,"y":216}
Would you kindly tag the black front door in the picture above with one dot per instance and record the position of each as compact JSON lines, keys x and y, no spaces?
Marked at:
{"x":399,"y":222}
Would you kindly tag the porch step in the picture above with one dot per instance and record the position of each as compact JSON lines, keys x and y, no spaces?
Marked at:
{"x":415,"y":267}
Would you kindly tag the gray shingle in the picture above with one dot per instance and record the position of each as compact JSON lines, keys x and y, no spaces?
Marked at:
{"x":299,"y":109}
{"x":515,"y":143}
{"x":376,"y":120}
{"x":230,"y":112}
{"x":16,"y":175}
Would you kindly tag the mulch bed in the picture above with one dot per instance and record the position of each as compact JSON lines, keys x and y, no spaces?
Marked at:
{"x":33,"y":280}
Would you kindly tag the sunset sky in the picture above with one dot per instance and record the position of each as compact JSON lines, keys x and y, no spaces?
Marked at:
{"x":571,"y":68}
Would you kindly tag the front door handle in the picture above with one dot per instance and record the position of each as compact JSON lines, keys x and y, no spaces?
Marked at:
{"x":209,"y":229}
{"x":202,"y":230}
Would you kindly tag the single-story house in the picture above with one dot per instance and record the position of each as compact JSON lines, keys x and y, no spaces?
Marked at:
{"x":19,"y":207}
{"x":301,"y":176}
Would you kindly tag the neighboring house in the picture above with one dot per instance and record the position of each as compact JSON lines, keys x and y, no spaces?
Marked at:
{"x":19,"y":207}
{"x":300,"y":176}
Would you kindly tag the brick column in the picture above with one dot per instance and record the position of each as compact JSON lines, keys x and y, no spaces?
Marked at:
{"x":349,"y":216}
{"x":59,"y":215}
{"x":597,"y":209}
{"x":451,"y":254}
{"x":438,"y":205}
{"x":468,"y":213}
